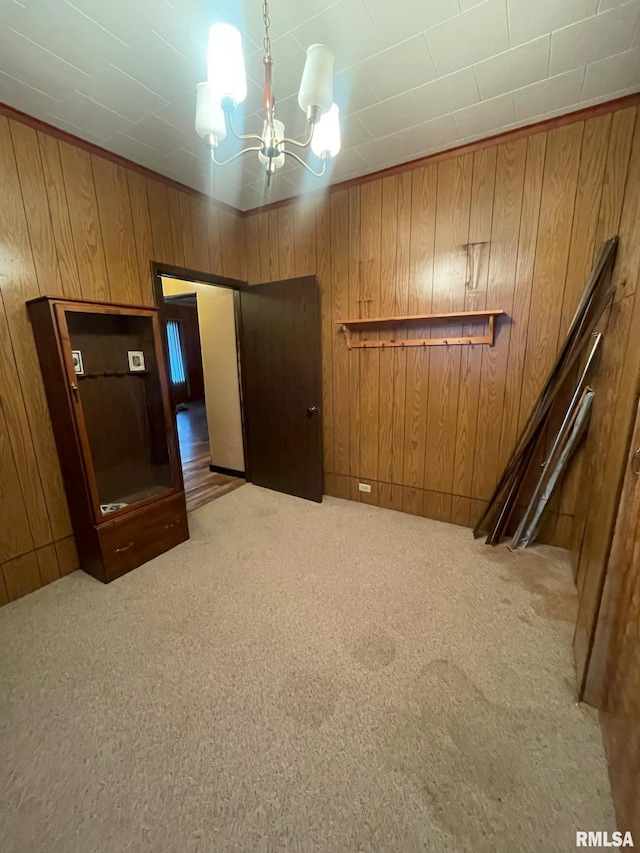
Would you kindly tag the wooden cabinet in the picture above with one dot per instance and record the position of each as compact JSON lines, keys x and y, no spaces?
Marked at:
{"x":106,"y":384}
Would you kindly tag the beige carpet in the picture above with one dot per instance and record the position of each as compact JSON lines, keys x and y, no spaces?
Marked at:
{"x":300,"y":677}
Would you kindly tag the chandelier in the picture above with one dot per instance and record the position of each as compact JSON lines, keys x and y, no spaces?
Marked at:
{"x":226,"y":86}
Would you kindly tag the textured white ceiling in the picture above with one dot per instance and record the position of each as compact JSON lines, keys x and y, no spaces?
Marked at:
{"x":412,"y":76}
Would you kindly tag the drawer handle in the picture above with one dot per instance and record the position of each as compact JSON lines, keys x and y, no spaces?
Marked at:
{"x":635,"y":461}
{"x":169,"y":526}
{"x":124,"y":548}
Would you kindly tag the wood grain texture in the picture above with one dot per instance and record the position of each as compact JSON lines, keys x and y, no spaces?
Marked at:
{"x":285,"y":218}
{"x":231,"y":241}
{"x":323,"y":271}
{"x":445,"y":422}
{"x":449,"y":288}
{"x":616,"y":385}
{"x":21,"y":576}
{"x":613,"y":679}
{"x":18,"y":282}
{"x":392,"y":362}
{"x":605,"y":108}
{"x":17,"y":434}
{"x":273,"y":246}
{"x":470,"y":429}
{"x":558,"y":204}
{"x":215,"y":248}
{"x":48,"y":564}
{"x":179,"y":225}
{"x":581,"y":254}
{"x":419,"y":300}
{"x":78,"y":225}
{"x":505,"y":231}
{"x":67,"y":556}
{"x":160,"y":222}
{"x":615,"y":178}
{"x":118,"y":236}
{"x":15,"y":532}
{"x":584,"y":237}
{"x":552,"y":253}
{"x":34,"y":196}
{"x":142,"y":233}
{"x":304,"y":239}
{"x":263,"y":248}
{"x":200,"y":257}
{"x":58,"y":206}
{"x":519,"y":325}
{"x":371,"y":213}
{"x":340,"y":356}
{"x":615,"y":619}
{"x":354,"y":303}
{"x":438,"y":206}
{"x":85,"y":223}
{"x":252,"y":250}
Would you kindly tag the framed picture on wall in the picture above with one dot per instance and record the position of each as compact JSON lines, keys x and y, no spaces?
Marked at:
{"x":77,"y":361}
{"x":136,"y":361}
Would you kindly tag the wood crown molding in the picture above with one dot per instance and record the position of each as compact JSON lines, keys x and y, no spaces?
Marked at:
{"x":98,"y":151}
{"x":486,"y":142}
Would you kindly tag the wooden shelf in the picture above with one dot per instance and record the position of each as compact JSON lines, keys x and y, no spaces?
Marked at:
{"x":110,"y":373}
{"x":453,"y":317}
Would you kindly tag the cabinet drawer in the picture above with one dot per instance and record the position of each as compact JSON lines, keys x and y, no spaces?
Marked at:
{"x":137,"y":537}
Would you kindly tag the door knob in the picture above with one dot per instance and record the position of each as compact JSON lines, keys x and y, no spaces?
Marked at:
{"x":312,"y":410}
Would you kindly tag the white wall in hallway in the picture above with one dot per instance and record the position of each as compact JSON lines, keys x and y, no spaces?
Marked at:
{"x":216,"y":320}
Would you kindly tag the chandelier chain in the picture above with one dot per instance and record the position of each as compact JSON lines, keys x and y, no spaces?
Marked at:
{"x":267,"y":23}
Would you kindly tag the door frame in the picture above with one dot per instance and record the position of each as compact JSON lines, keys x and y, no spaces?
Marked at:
{"x":159,"y":269}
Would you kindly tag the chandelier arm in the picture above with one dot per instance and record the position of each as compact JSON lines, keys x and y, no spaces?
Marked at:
{"x":306,"y":165}
{"x":299,"y":144}
{"x":241,"y":136}
{"x":236,"y":155}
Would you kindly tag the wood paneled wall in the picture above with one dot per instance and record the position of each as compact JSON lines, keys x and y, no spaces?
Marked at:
{"x":613,"y":683}
{"x":430,"y":428}
{"x":617,"y":385}
{"x":78,"y":225}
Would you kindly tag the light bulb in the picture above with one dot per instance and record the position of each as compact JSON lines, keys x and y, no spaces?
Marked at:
{"x":316,"y":86}
{"x":210,"y":120}
{"x":325,"y":141}
{"x":225,"y":63}
{"x":273,"y":140}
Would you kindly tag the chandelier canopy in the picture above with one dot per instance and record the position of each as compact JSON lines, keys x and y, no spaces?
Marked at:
{"x":226,"y":87}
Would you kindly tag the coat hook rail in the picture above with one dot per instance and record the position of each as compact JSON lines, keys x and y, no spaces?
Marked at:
{"x":487,"y":317}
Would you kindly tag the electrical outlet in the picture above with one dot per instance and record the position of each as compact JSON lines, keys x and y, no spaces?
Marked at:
{"x":364,"y":487}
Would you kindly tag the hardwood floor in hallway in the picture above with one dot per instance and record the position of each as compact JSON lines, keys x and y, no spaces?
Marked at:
{"x":200,"y":484}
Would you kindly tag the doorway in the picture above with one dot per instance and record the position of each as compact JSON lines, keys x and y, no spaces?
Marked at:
{"x":200,"y":328}
{"x":265,"y":419}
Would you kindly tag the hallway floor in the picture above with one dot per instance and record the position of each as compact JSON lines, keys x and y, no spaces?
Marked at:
{"x":201,"y":485}
{"x":305,"y":677}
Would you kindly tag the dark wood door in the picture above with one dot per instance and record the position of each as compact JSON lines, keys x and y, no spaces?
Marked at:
{"x":281,"y":364}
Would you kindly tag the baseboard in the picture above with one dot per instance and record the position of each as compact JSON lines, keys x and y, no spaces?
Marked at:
{"x":230,"y":472}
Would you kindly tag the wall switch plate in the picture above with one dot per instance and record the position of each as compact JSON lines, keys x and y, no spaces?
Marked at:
{"x":364,"y":487}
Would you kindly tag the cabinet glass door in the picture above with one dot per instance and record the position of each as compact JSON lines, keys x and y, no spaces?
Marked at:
{"x":119,"y":386}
